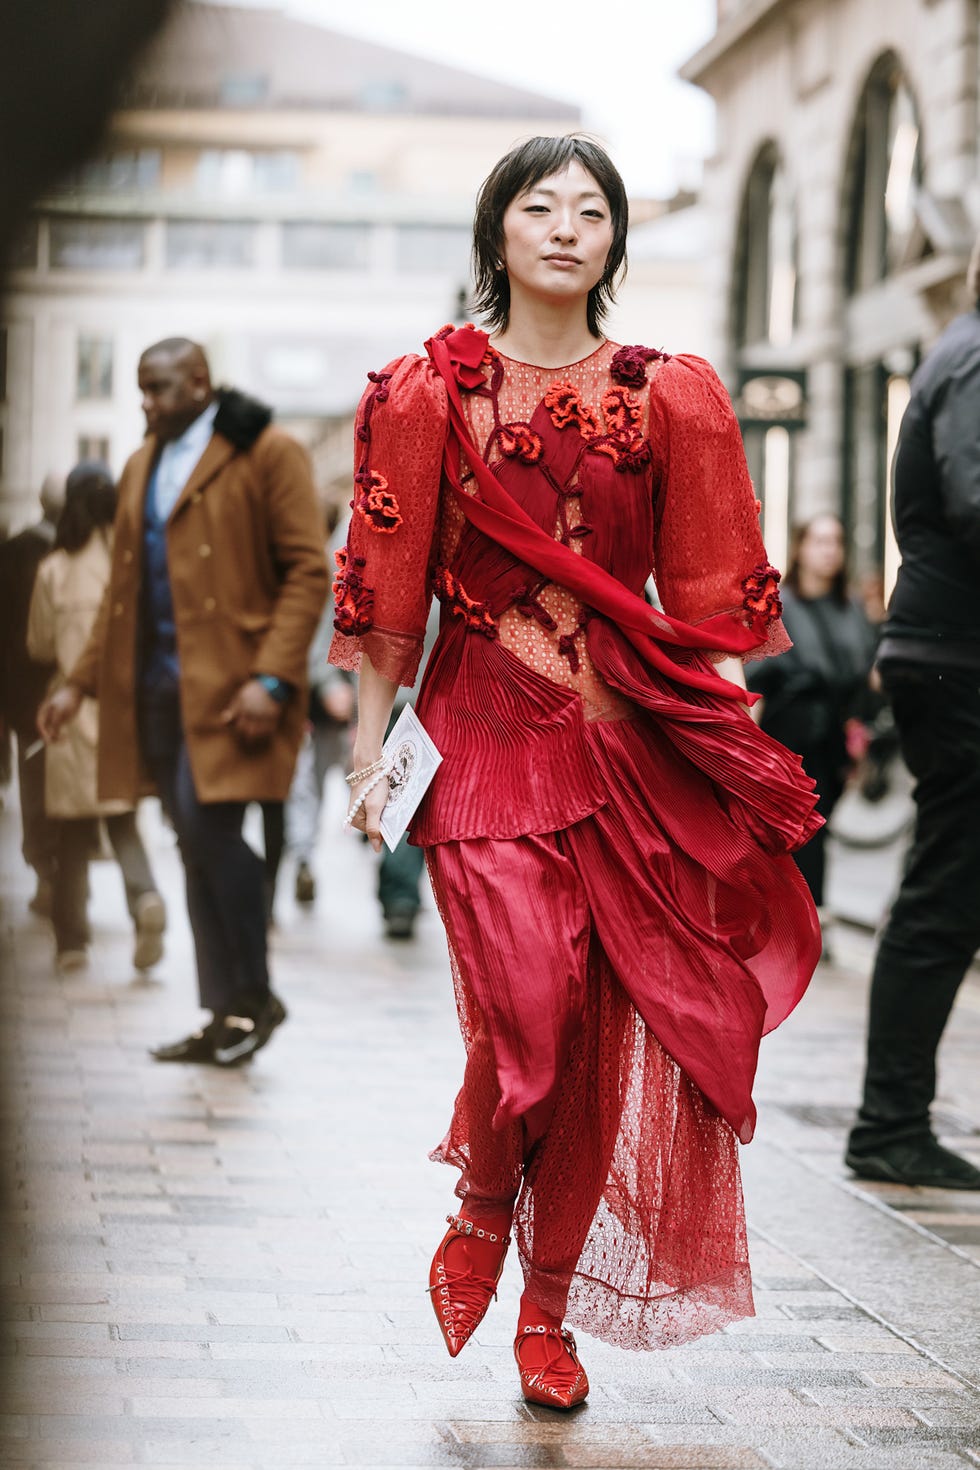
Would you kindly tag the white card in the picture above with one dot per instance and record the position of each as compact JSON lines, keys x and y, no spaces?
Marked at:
{"x":413,"y":761}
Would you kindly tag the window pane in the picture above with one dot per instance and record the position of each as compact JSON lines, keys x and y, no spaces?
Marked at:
{"x":126,"y":170}
{"x":434,"y":249}
{"x":93,"y":446}
{"x":96,"y":244}
{"x":231,"y":171}
{"x":311,"y":246}
{"x":200,"y":244}
{"x":94,"y":368}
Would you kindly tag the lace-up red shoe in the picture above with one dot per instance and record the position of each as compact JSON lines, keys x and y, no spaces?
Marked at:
{"x":558,"y":1381}
{"x":460,"y":1294}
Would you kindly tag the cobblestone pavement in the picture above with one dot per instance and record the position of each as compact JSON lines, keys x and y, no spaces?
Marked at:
{"x":210,"y":1268}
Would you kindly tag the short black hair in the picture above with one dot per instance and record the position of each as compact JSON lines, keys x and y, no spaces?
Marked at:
{"x":90,"y":505}
{"x":520,"y":169}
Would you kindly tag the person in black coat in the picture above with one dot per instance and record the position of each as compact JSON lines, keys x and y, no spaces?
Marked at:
{"x":24,"y":683}
{"x":811,"y":692}
{"x":929,"y":662}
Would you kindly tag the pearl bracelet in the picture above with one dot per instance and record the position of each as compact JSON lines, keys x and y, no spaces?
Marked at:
{"x":362,"y":797}
{"x":354,"y":778}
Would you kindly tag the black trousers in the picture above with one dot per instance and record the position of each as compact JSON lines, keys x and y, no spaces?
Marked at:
{"x":933,"y":931}
{"x":223,"y":876}
{"x":77,"y":839}
{"x":825,"y":763}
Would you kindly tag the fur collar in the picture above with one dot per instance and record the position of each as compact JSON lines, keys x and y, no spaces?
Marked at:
{"x":240,"y":419}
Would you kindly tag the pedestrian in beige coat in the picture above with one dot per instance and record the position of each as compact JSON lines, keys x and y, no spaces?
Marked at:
{"x":198,"y":657}
{"x":68,"y":591}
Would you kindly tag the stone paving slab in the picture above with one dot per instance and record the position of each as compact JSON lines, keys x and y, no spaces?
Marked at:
{"x":227,"y":1269}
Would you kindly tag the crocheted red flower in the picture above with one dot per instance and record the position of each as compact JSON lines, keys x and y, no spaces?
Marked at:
{"x":629,"y":365}
{"x":353,"y":602}
{"x":519,"y":441}
{"x":565,"y":406}
{"x":629,"y":451}
{"x":468,"y":353}
{"x":760,"y":593}
{"x":619,"y":410}
{"x":476,"y":615}
{"x":376,"y":503}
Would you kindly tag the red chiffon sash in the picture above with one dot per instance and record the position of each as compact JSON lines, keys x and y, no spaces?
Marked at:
{"x":499,"y":516}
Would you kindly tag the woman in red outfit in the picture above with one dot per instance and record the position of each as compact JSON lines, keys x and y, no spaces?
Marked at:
{"x":608,"y":833}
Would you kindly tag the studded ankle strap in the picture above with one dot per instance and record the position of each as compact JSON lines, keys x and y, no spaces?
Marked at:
{"x":469,"y":1227}
{"x":560,"y":1332}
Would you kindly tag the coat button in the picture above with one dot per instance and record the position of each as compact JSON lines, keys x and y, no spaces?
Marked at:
{"x":204,"y":549}
{"x":117,"y":611}
{"x":209,"y":604}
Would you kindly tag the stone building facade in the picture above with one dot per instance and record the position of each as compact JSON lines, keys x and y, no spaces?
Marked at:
{"x":845,"y":191}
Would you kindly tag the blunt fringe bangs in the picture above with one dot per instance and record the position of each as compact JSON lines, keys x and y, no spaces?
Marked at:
{"x":520,"y":169}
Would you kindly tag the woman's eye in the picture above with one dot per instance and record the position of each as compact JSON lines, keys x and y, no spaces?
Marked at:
{"x":593,"y":214}
{"x":536,"y":209}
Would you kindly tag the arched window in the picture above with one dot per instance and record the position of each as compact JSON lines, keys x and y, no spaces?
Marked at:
{"x":885,"y":171}
{"x":764,"y":316}
{"x":765,"y":279}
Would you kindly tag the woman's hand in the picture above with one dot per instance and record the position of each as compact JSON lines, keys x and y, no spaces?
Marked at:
{"x":368,"y":817}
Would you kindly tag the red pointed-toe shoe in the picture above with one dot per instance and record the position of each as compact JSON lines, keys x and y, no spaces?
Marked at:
{"x":559,"y":1382}
{"x":460,"y":1294}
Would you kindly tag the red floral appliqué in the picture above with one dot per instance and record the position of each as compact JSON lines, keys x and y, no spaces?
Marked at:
{"x":519,"y":441}
{"x":760,"y":593}
{"x":354,"y":603}
{"x":629,"y":451}
{"x":629,"y":365}
{"x":476,"y":615}
{"x":620,"y":410}
{"x":564,"y":403}
{"x":375,"y":502}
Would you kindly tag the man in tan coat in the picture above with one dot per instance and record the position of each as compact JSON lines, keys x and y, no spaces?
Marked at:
{"x":198,"y":660}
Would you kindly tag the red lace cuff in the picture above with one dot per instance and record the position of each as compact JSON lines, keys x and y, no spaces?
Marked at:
{"x":396,"y":656}
{"x":775,"y":640}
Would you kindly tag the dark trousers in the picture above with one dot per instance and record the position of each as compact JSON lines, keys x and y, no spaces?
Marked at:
{"x":39,"y":835}
{"x":399,"y":878}
{"x":77,"y":839}
{"x":824,"y":763}
{"x":933,"y":931}
{"x":224,"y":877}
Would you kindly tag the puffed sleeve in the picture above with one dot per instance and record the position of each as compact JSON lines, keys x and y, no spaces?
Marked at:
{"x":384,"y":579}
{"x":709,"y":558}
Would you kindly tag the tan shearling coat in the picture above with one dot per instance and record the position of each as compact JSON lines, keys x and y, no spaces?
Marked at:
{"x":248,"y":580}
{"x":68,"y":591}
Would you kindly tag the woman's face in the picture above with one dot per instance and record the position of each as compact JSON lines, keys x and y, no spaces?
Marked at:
{"x":557,"y":235}
{"x":822,"y":548}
